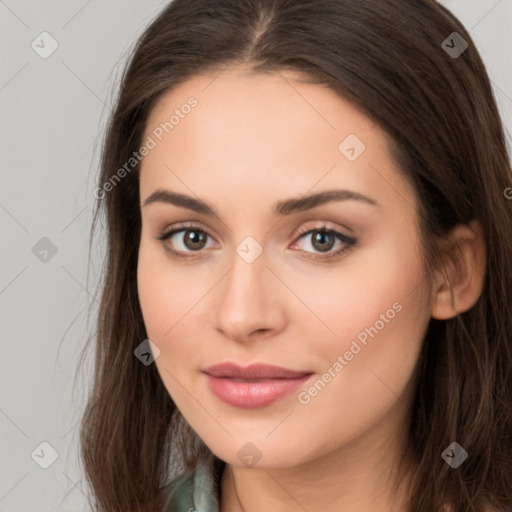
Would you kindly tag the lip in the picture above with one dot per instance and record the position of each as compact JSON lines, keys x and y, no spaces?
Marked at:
{"x":253,"y":386}
{"x":253,"y":371}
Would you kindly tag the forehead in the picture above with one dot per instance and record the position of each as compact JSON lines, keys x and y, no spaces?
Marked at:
{"x":252,"y":134}
{"x":261,"y":105}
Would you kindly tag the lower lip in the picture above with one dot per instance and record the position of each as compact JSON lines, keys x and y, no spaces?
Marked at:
{"x":250,"y":395}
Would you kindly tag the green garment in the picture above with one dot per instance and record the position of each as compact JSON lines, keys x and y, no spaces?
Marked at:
{"x":196,"y":490}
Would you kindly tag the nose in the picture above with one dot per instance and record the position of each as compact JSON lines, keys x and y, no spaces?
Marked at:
{"x":248,"y":301}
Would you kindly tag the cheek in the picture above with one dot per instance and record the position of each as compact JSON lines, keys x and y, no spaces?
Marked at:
{"x":378,"y":292}
{"x":379,"y":312}
{"x":163,"y":294}
{"x":171,"y":301}
{"x":368,"y":373}
{"x":376,"y":307}
{"x":152,"y":286}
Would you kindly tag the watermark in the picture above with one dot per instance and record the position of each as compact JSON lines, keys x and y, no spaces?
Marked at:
{"x":249,"y":455}
{"x":249,"y":249}
{"x":44,"y":250}
{"x":454,"y":455}
{"x":304,"y":397}
{"x":147,"y":352}
{"x":454,"y":45}
{"x":44,"y":45}
{"x":44,"y":455}
{"x":351,"y":147}
{"x":149,"y":144}
{"x":508,"y":193}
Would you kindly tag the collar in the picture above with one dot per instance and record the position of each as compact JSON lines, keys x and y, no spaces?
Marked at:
{"x":197,"y":490}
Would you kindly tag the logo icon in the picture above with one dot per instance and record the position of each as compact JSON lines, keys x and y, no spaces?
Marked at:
{"x":454,"y":45}
{"x":44,"y":455}
{"x":249,"y":455}
{"x":147,"y":352}
{"x":351,"y":147}
{"x":454,"y":455}
{"x":44,"y":45}
{"x":249,"y":249}
{"x":44,"y":250}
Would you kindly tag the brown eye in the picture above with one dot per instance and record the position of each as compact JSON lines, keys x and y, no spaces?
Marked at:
{"x":184,"y":241}
{"x":194,"y":239}
{"x":322,"y":240}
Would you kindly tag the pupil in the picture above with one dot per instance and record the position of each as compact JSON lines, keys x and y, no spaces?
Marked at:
{"x":320,"y":236}
{"x":195,"y":238}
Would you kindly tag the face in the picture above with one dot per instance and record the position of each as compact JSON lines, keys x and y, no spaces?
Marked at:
{"x":251,"y":271}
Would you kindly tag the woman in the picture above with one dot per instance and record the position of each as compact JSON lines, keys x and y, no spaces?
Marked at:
{"x":308,"y":289}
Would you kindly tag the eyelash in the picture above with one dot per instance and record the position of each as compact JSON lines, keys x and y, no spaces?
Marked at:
{"x":348,"y":242}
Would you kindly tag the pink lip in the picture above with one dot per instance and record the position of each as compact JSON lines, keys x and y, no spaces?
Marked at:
{"x":253,"y":386}
{"x":253,"y":371}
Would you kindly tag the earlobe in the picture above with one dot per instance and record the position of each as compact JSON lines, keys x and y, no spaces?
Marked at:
{"x":460,"y":281}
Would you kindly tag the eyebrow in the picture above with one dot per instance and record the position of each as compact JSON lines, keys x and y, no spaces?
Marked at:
{"x":281,"y":208}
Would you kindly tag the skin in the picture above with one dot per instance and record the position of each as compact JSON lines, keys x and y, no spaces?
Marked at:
{"x":253,"y":140}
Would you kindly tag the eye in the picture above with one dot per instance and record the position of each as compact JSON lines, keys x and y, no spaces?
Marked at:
{"x":190,"y":239}
{"x":187,"y":239}
{"x":323,"y":239}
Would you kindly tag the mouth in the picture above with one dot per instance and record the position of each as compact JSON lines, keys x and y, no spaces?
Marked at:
{"x":254,"y":386}
{"x":256,"y":371}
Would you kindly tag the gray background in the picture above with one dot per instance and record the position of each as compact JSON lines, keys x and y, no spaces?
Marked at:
{"x":53,"y":112}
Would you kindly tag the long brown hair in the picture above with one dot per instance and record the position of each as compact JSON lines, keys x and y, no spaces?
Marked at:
{"x":388,"y":58}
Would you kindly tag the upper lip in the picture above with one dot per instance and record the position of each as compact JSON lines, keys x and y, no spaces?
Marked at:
{"x":253,"y":371}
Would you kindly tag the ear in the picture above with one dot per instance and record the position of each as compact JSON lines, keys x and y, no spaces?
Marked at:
{"x":460,"y":281}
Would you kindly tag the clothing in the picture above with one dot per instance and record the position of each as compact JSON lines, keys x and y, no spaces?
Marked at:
{"x":196,"y":490}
